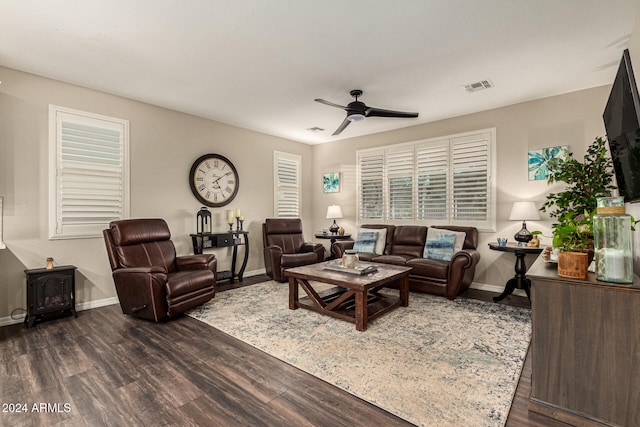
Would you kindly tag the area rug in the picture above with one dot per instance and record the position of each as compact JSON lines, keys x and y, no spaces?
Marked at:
{"x":434,"y":363}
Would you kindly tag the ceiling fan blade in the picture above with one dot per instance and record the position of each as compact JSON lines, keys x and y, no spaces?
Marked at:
{"x":331,"y":104}
{"x":379,"y":112}
{"x":343,"y":125}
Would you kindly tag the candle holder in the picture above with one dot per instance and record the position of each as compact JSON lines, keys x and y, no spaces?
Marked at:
{"x":231,"y":226}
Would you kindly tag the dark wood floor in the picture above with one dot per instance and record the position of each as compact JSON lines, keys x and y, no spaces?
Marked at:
{"x":107,"y":369}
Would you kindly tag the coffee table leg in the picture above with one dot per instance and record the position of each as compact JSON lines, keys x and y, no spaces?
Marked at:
{"x":293,"y":293}
{"x":361,"y":311}
{"x":404,"y":291}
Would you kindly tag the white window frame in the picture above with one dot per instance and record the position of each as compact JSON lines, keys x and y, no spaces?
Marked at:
{"x":287,"y":196}
{"x":392,"y":167}
{"x":99,"y":186}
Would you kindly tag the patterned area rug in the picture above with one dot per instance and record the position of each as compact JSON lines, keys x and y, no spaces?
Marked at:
{"x":434,"y":363}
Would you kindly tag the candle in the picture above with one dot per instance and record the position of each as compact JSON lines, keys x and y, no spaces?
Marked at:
{"x":230,"y":217}
{"x":238,"y":213}
{"x":614,"y":263}
{"x":241,"y":218}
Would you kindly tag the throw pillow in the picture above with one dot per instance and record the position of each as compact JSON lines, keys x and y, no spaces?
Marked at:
{"x":381,"y":241}
{"x":442,"y":244}
{"x":366,"y":241}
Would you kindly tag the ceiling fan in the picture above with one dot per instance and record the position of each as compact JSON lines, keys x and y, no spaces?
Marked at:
{"x":357,"y":111}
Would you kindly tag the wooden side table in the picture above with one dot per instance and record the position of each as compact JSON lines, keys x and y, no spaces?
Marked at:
{"x":519,"y":281}
{"x":332,"y":238}
{"x":233,"y":239}
{"x":50,"y":291}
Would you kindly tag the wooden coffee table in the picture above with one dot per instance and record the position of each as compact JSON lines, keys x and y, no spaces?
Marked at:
{"x":356,"y":298}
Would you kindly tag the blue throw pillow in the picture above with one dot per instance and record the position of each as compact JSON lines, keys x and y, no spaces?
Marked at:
{"x":439,"y":247}
{"x":366,"y":241}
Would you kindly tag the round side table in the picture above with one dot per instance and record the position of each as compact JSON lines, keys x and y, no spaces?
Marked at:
{"x":519,"y":281}
{"x":333,"y":238}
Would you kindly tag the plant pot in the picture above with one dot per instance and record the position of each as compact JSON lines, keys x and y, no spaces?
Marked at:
{"x":573,"y":265}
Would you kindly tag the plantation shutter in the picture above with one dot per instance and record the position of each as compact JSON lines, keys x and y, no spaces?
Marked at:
{"x":287,"y":185}
{"x":432,"y":172}
{"x":471,"y":190}
{"x":90,"y":182}
{"x":399,"y":166}
{"x":371,"y":182}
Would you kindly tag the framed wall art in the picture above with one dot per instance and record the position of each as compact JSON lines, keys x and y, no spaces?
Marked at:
{"x":331,"y":182}
{"x":538,"y":161}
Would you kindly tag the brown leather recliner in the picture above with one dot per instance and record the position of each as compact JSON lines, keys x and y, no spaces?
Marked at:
{"x":284,"y":247}
{"x":151,"y":282}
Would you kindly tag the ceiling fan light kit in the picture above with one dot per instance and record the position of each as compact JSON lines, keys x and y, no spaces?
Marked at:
{"x":357,"y":111}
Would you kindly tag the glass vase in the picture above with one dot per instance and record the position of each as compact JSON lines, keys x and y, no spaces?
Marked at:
{"x":613,"y":241}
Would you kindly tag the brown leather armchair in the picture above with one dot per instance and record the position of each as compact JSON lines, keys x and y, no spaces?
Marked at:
{"x":151,"y":282}
{"x":284,"y":247}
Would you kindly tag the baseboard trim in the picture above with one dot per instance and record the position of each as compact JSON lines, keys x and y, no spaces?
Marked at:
{"x":12,"y":320}
{"x":495,"y":288}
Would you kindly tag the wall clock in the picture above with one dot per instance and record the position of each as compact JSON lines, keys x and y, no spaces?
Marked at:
{"x":214,"y":180}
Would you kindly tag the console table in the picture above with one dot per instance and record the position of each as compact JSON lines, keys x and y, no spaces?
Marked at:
{"x":519,"y":281}
{"x":233,"y":239}
{"x":585,"y":349}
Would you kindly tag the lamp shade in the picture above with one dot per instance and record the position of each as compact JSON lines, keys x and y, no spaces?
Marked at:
{"x":334,"y":211}
{"x":524,"y":211}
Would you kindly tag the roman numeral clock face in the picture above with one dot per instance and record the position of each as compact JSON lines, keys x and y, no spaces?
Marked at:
{"x":214,"y":180}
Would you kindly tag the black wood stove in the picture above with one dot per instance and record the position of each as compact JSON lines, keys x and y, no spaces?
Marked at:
{"x":50,"y":291}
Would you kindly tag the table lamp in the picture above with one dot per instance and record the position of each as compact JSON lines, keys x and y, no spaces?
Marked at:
{"x":523,"y":211}
{"x":334,"y":212}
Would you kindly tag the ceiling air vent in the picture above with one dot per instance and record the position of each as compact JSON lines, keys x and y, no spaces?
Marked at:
{"x":481,"y":85}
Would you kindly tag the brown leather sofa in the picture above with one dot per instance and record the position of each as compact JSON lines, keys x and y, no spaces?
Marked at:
{"x":284,"y":247}
{"x":405,"y":246}
{"x":151,"y":281}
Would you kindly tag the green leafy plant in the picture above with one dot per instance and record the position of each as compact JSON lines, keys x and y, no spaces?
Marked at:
{"x":585,"y":181}
{"x":575,"y":206}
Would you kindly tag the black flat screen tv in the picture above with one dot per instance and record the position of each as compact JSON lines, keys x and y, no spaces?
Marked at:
{"x":622,"y":123}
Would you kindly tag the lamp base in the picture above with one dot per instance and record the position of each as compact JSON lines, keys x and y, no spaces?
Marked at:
{"x":334,"y":228}
{"x":523,"y":236}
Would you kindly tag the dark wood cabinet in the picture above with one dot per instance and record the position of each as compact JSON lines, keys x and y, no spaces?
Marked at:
{"x":585,"y":349}
{"x":50,"y":291}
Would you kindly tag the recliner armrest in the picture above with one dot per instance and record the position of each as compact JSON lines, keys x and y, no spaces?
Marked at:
{"x":197,"y":262}
{"x":462,"y":263}
{"x":318,"y":248}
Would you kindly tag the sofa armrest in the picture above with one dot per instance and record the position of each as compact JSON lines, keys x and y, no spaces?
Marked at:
{"x":462,"y":268}
{"x":197,"y":262}
{"x":340,"y":246}
{"x":318,"y":248}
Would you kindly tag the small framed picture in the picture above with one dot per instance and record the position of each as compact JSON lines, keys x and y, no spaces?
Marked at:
{"x":538,"y":161}
{"x":331,"y":182}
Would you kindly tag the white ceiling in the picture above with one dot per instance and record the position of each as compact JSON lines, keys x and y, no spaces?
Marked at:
{"x":259,"y":64}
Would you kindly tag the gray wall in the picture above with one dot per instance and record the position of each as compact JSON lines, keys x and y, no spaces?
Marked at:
{"x":164,"y":144}
{"x":573,"y":119}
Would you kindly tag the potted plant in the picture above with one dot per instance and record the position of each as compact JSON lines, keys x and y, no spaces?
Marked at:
{"x":575,"y":206}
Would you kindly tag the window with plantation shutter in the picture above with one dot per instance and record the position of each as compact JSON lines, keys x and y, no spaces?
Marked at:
{"x":287,"y":185}
{"x":370,"y":184}
{"x":471,"y":190}
{"x":432,"y":171}
{"x":89,"y":172}
{"x":443,"y":181}
{"x":399,"y":168}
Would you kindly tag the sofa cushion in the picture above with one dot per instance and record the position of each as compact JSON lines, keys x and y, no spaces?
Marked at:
{"x":392,"y":259}
{"x":366,"y":241}
{"x":429,"y":268}
{"x":294,"y":260}
{"x":442,"y":244}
